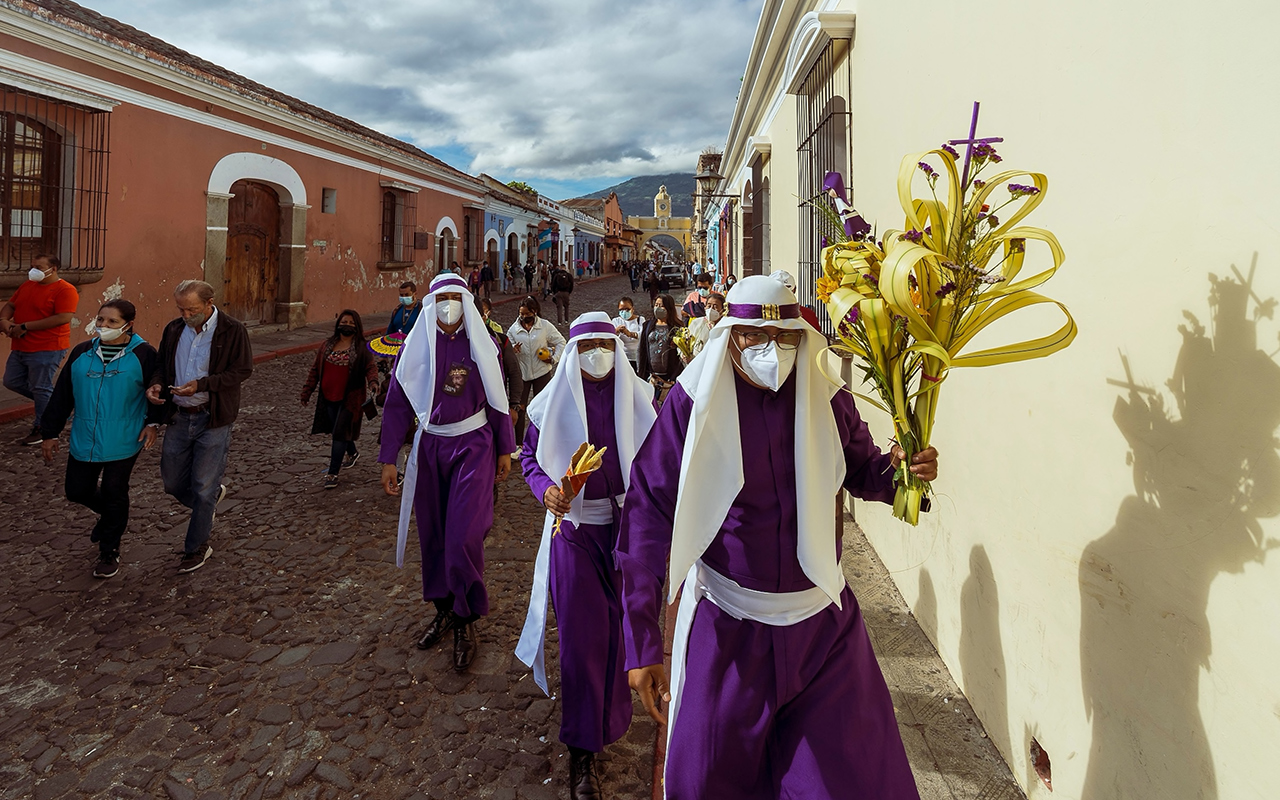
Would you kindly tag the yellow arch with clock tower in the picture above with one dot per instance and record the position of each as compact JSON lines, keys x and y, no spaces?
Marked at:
{"x":662,"y":229}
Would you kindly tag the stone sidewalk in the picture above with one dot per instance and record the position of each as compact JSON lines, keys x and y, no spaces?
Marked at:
{"x":286,"y":667}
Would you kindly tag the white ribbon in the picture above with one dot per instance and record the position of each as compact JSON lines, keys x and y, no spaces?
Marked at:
{"x":410,"y":486}
{"x":770,"y":608}
{"x":531,"y":649}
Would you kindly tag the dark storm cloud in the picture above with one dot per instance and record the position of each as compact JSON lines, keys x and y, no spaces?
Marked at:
{"x":555,"y":89}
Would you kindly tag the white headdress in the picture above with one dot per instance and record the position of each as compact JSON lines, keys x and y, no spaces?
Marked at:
{"x":416,"y":369}
{"x":711,"y":473}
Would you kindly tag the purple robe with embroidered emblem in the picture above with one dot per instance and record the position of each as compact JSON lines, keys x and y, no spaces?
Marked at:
{"x":767,"y":711}
{"x":585,"y":588}
{"x":453,"y":502}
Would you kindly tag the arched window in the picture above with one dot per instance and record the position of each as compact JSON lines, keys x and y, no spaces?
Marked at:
{"x":446,"y":249}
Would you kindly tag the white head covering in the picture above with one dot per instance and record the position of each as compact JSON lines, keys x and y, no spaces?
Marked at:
{"x":560,"y":410}
{"x":416,"y":369}
{"x":785,"y":278}
{"x":711,"y":474}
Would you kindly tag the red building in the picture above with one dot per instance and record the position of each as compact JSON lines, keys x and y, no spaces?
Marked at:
{"x":141,"y":165}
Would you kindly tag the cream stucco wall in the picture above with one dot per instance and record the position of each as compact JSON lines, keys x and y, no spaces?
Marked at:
{"x":1096,"y":571}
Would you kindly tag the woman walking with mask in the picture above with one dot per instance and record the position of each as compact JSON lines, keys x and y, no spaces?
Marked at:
{"x":659,"y":357}
{"x":538,"y":346}
{"x":347,"y":376}
{"x":628,"y":326}
{"x":102,"y":389}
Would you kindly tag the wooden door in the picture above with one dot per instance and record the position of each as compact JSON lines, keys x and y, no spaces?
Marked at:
{"x":252,"y":274}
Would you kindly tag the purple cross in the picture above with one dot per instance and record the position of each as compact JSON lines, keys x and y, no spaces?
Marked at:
{"x":970,"y":142}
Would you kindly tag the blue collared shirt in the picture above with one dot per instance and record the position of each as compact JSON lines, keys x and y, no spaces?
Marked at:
{"x":191,"y":361}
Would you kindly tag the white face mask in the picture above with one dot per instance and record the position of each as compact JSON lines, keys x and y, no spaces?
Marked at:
{"x":713,"y":316}
{"x":768,"y":366}
{"x":109,"y":334}
{"x":35,"y":274}
{"x":597,"y":363}
{"x":449,"y":311}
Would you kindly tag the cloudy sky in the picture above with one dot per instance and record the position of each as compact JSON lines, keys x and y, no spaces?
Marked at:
{"x":571,"y":96}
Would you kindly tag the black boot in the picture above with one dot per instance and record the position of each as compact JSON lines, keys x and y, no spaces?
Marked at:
{"x":584,"y":781}
{"x":464,"y":645}
{"x":442,"y":624}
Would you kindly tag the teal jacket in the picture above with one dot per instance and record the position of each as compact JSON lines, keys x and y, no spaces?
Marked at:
{"x":106,"y":402}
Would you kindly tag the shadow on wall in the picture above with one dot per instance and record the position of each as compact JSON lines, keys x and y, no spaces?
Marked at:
{"x":926,"y":610}
{"x":1204,"y":473}
{"x":982,"y":666}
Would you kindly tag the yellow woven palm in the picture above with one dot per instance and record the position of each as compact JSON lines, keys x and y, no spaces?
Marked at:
{"x":912,"y":324}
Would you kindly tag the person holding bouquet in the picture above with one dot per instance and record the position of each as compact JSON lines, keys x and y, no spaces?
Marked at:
{"x":595,"y":398}
{"x":775,"y":691}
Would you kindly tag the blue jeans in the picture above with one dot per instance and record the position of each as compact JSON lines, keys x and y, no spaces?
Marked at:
{"x":192,"y":462}
{"x":32,"y":375}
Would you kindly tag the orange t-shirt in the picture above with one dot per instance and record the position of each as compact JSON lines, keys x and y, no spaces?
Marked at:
{"x":34,"y":301}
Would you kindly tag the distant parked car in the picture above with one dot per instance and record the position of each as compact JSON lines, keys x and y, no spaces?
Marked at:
{"x":675,"y":275}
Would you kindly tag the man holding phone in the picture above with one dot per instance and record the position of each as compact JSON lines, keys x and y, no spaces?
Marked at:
{"x":204,"y":357}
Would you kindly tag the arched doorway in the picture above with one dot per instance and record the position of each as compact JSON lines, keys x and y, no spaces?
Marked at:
{"x":513,"y":249}
{"x":491,"y":255}
{"x":252,"y":275}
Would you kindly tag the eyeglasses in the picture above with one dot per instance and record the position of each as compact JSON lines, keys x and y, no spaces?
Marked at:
{"x":588,"y":346}
{"x":758,"y":339}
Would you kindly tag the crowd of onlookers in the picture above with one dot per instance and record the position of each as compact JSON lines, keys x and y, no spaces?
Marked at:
{"x":116,"y":390}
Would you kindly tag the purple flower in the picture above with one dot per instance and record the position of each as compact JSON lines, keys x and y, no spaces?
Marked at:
{"x":949,"y":150}
{"x":848,"y":326}
{"x":912,"y":236}
{"x":946,"y":289}
{"x":985,"y":152}
{"x":993,"y":220}
{"x":979,"y":184}
{"x":928,"y":171}
{"x":1018,"y":190}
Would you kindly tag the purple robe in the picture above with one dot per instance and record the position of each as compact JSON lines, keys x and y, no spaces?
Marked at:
{"x":585,"y":588}
{"x":767,"y":711}
{"x":454,"y":499}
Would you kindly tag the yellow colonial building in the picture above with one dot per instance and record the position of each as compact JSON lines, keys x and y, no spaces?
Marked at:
{"x":663,"y":232}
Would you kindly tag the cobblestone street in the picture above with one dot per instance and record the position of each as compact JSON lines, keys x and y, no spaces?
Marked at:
{"x":286,"y":666}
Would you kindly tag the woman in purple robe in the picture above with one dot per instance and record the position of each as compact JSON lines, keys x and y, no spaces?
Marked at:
{"x":775,"y":690}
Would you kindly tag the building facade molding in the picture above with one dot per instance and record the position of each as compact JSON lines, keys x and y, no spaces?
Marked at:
{"x":816,"y":30}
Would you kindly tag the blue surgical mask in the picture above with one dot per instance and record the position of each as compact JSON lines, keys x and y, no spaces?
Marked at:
{"x":407,"y":301}
{"x":624,"y":314}
{"x":704,"y":292}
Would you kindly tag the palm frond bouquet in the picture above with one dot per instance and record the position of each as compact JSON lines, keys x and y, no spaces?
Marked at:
{"x":907,"y":306}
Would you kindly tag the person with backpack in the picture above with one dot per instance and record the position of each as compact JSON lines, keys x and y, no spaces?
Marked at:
{"x":562,"y":288}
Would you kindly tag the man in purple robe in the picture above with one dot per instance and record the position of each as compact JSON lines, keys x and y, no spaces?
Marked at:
{"x":449,"y":379}
{"x":594,"y":397}
{"x":775,"y":690}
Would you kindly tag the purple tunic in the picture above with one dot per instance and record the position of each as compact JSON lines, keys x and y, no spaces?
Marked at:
{"x":453,"y":502}
{"x":585,"y":588}
{"x":767,"y":711}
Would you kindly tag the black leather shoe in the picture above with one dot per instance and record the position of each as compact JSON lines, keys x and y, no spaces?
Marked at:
{"x":464,"y":646}
{"x":584,"y":781}
{"x":439,"y":626}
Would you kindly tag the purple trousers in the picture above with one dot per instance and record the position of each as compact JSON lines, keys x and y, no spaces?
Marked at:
{"x":793,"y":712}
{"x":454,"y":508}
{"x":595,"y":700}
